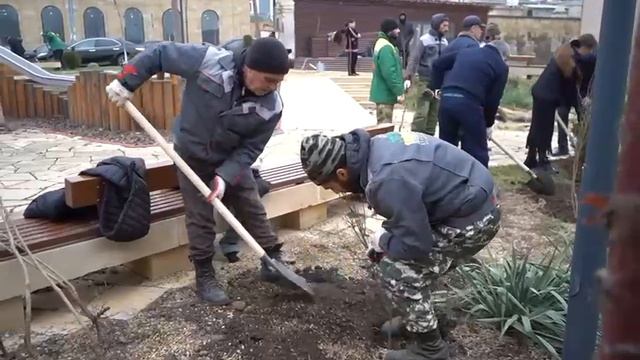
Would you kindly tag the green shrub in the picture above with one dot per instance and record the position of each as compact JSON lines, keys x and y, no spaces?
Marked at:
{"x":519,"y":296}
{"x":517,"y":94}
{"x":71,"y":60}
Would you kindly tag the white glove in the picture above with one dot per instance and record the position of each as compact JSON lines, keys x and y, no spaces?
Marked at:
{"x":437,"y":94}
{"x":374,"y":240}
{"x":489,"y":132}
{"x":217,"y":188}
{"x":117,"y":93}
{"x":407,"y":85}
{"x":586,"y":102}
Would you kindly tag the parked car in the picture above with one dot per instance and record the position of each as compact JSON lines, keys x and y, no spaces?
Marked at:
{"x":101,"y":50}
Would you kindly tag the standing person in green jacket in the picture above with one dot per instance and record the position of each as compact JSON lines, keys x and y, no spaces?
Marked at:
{"x":387,"y":85}
{"x":55,"y":44}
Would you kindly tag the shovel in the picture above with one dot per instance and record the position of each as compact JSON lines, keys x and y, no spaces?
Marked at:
{"x":217,"y":204}
{"x":566,"y":130}
{"x":541,"y":183}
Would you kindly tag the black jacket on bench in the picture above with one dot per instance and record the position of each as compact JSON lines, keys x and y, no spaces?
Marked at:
{"x":124,"y":210}
{"x":125,"y":205}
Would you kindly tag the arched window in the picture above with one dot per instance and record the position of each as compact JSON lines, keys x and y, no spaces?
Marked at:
{"x":133,"y":25}
{"x":93,"y":23}
{"x":51,"y":18}
{"x":169,"y":20}
{"x":9,"y":21}
{"x":210,"y":22}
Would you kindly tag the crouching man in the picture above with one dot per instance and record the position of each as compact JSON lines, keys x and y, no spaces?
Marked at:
{"x":230,"y":108}
{"x":439,"y":204}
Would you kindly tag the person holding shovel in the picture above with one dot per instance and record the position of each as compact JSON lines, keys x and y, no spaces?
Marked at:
{"x":230,"y":108}
{"x":439,"y":206}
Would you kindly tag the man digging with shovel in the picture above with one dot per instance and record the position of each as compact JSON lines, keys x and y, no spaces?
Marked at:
{"x":230,"y":108}
{"x":439,"y":206}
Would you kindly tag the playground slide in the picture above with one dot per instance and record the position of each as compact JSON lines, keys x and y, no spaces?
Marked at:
{"x":33,"y":71}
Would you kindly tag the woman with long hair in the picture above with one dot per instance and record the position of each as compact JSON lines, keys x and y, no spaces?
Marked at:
{"x":557,"y":87}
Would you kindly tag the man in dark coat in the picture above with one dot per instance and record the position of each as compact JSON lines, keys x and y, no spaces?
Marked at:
{"x":471,"y":94}
{"x":469,"y":37}
{"x":406,"y":37}
{"x":230,"y":109}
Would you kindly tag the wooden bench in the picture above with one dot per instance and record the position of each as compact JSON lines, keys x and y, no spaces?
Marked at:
{"x":76,"y":248}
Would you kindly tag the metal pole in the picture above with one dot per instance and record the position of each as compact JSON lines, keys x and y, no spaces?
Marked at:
{"x":71,"y":12}
{"x":621,"y":318}
{"x":590,"y":247}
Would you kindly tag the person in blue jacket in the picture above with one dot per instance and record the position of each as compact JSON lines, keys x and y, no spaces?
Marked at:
{"x":439,"y":206}
{"x":470,"y":36}
{"x":470,"y":95}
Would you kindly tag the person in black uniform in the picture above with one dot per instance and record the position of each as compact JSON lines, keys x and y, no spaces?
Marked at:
{"x":351,"y":46}
{"x":556,"y":87}
{"x":586,"y":46}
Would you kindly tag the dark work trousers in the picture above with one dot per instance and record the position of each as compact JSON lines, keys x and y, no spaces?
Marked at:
{"x":462,"y":119}
{"x":242,"y":198}
{"x":563,"y":112}
{"x":542,"y":125}
{"x":230,"y":242}
{"x":352,"y":61}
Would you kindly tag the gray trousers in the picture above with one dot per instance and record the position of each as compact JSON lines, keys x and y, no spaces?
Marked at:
{"x":242,"y":197}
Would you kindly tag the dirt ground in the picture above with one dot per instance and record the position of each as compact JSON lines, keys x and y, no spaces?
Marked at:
{"x":268,"y":322}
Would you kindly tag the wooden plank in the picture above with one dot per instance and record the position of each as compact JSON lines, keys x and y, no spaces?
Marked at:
{"x":137,"y":101}
{"x":55,"y":105}
{"x":85,"y":190}
{"x":82,"y":98}
{"x":21,"y":100}
{"x":147,"y":101}
{"x":102,"y":95}
{"x":158,"y":107}
{"x":95,"y":97}
{"x":11,"y":96}
{"x":48,"y":107}
{"x":39,"y":95}
{"x":125,"y":119}
{"x":177,"y":93}
{"x":114,"y":118}
{"x":169,"y":114}
{"x":30,"y":96}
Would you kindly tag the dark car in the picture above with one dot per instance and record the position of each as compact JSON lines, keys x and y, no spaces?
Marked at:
{"x":105,"y":50}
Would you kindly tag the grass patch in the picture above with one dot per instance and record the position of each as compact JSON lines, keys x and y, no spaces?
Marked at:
{"x":509,"y":176}
{"x":517,"y":94}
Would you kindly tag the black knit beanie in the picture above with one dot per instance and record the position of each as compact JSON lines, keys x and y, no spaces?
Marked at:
{"x":388,"y":25}
{"x":267,"y":55}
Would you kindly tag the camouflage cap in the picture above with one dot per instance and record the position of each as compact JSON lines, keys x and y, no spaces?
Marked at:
{"x":320,"y":155}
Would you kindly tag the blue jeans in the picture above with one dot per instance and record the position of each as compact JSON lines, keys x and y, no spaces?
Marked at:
{"x":462,"y":119}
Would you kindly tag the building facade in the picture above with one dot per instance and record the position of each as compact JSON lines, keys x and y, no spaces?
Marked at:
{"x":213,"y":21}
{"x":313,"y":18}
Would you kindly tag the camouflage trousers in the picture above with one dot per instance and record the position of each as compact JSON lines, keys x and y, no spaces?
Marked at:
{"x":384,"y":113}
{"x":407,"y":284}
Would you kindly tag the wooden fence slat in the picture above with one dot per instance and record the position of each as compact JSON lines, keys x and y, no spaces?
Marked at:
{"x":47,"y":104}
{"x":104,"y":101}
{"x":137,"y":101}
{"x":158,"y":107}
{"x":114,"y":118}
{"x":11,"y":96}
{"x":21,"y":100}
{"x":30,"y":99}
{"x":177,"y":93}
{"x":39,"y":95}
{"x":55,"y":104}
{"x":169,"y":113}
{"x":147,"y":101}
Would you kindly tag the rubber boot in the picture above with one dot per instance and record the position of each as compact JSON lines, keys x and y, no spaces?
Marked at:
{"x":425,"y":346}
{"x":561,"y":151}
{"x":544,"y":164}
{"x":269,"y":274}
{"x":531,"y":161}
{"x":207,"y":287}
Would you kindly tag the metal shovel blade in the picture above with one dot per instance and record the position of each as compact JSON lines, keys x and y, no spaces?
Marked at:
{"x":542,"y":184}
{"x":292,"y":277}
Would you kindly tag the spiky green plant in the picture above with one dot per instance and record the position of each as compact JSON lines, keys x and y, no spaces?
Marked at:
{"x":519,"y":296}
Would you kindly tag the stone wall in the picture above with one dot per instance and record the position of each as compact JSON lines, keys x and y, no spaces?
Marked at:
{"x":535,"y":35}
{"x":233,"y":17}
